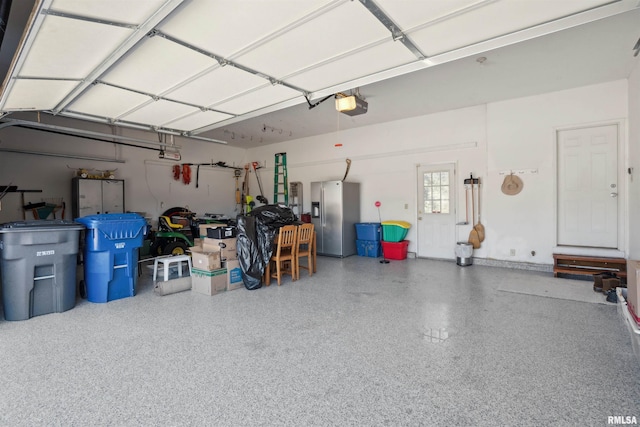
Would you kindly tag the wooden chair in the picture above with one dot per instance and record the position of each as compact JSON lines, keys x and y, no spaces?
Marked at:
{"x":284,"y":255}
{"x":305,"y":248}
{"x":314,"y":251}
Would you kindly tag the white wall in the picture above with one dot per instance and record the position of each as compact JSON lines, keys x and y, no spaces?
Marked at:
{"x":483,"y":140}
{"x":633,"y":161}
{"x":149,"y":184}
{"x":509,"y":135}
{"x":521,"y":134}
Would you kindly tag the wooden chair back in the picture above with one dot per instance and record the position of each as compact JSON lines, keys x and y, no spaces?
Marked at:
{"x":287,"y":238}
{"x":304,"y":248}
{"x":284,"y":255}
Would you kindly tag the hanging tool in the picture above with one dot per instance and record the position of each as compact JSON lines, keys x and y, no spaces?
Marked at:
{"x":261,"y":197}
{"x":236,"y":175}
{"x":186,"y":173}
{"x":474,"y":239}
{"x":479,"y":227}
{"x":281,"y":179}
{"x":467,"y":185}
{"x":3,"y":191}
{"x":347,"y":171}
{"x":245,"y":190}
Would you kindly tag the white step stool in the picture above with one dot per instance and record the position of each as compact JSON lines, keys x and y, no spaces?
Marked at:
{"x":166,"y":263}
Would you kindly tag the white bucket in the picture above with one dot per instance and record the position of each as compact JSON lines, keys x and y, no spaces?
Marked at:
{"x":464,"y":254}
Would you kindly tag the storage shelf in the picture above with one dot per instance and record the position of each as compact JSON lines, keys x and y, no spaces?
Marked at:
{"x":586,"y":265}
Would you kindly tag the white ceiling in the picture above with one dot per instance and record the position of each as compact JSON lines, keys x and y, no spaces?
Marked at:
{"x":239,"y":70}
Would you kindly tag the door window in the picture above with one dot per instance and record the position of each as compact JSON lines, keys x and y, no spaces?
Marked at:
{"x":436,"y":192}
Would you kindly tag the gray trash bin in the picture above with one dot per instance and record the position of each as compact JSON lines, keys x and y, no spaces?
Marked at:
{"x":38,"y":263}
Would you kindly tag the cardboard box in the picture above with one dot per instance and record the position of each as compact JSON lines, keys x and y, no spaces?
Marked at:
{"x":197,"y":242}
{"x":208,"y":282}
{"x":633,"y":292}
{"x":227,"y":247}
{"x":201,"y":259}
{"x":234,"y":275}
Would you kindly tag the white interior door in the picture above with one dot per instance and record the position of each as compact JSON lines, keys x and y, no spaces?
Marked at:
{"x":588,"y":187}
{"x":436,"y":211}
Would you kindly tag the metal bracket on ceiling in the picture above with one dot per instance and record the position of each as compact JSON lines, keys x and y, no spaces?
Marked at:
{"x":396,"y":33}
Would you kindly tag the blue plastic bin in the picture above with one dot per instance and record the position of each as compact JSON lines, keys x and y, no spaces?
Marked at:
{"x":368,"y":231}
{"x":111,"y":255}
{"x":369,"y":248}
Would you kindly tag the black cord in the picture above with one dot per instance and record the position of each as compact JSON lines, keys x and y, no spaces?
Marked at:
{"x":317,"y":103}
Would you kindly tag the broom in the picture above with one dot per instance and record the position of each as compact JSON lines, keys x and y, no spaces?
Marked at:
{"x":474,"y":239}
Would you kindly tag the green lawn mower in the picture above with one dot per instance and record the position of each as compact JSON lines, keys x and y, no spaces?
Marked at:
{"x":174,"y":238}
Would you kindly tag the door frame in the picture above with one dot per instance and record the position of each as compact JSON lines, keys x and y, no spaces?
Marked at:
{"x":623,"y":217}
{"x":416,"y":200}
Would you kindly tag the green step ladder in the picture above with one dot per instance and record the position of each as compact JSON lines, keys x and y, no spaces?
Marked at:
{"x":281,"y":180}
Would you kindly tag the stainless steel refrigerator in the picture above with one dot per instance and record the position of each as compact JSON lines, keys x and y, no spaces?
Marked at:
{"x":335,"y":209}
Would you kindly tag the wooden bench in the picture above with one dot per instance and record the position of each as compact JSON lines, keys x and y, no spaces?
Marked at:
{"x":587,"y":265}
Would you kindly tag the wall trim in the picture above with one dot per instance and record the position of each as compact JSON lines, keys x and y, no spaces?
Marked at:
{"x":399,"y":153}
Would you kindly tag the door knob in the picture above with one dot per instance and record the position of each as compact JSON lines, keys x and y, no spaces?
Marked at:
{"x":614,"y":194}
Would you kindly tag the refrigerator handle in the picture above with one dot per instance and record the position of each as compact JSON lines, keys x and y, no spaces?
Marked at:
{"x":323,"y":218}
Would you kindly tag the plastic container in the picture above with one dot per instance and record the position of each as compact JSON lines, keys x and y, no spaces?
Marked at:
{"x":464,"y":254}
{"x":394,"y":231}
{"x":628,"y":319}
{"x":369,"y":248}
{"x":395,"y":250}
{"x":38,"y":263}
{"x":368,"y":231}
{"x":111,"y":255}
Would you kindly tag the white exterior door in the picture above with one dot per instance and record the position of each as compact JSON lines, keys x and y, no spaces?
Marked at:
{"x":436,"y":211}
{"x":588,"y":187}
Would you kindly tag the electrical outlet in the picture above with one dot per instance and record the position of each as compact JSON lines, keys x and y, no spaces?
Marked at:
{"x":512,"y":252}
{"x":406,"y":205}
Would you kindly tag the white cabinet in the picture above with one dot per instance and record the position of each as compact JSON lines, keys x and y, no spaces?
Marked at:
{"x":97,"y":196}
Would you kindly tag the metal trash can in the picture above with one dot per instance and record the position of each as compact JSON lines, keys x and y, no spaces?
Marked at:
{"x":464,"y":254}
{"x":111,"y":255}
{"x":38,"y":264}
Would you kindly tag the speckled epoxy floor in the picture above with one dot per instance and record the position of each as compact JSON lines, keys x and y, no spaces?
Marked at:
{"x":414,"y":342}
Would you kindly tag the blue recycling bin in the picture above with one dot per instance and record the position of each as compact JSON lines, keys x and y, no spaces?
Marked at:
{"x":111,"y":255}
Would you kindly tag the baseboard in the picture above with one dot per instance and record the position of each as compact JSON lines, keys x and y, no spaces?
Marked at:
{"x":487,"y":262}
{"x":547,"y":268}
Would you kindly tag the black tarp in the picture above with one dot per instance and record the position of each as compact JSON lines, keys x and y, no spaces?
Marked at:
{"x":256,"y":232}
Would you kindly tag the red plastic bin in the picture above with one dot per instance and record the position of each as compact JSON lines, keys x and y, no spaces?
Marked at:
{"x":395,"y":250}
